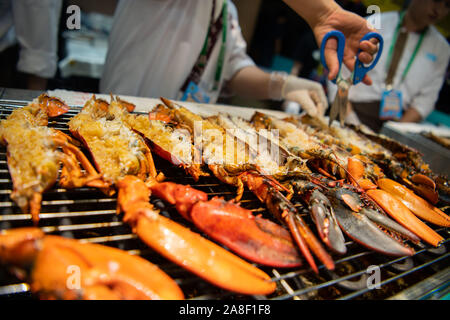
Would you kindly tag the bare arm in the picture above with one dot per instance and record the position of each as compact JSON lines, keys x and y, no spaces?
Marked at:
{"x":313,"y":11}
{"x":250,"y":82}
{"x":253,"y":82}
{"x":326,"y":15}
{"x":411,"y":115}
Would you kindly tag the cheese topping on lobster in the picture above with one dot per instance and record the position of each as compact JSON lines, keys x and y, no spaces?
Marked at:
{"x":117,"y":150}
{"x":32,"y":155}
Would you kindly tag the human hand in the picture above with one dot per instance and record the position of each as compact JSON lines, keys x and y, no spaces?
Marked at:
{"x":309,"y":94}
{"x":354,"y":28}
{"x":352,"y":118}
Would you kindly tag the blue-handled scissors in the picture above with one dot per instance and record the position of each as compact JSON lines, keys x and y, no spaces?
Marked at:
{"x":339,"y":105}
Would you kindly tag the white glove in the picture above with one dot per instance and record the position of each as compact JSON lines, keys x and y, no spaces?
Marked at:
{"x":352,"y":118}
{"x":309,"y":94}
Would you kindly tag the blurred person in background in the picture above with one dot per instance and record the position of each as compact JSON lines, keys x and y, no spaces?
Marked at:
{"x":194,"y":50}
{"x":410,"y":73}
{"x":28,"y":42}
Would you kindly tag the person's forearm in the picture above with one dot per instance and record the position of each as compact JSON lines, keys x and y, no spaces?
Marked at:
{"x":411,"y":115}
{"x":36,"y":83}
{"x":312,"y":10}
{"x":250,"y":82}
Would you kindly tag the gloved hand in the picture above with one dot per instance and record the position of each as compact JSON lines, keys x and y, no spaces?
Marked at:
{"x":352,"y":118}
{"x":309,"y":94}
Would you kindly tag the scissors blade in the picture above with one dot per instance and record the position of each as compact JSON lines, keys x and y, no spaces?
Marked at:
{"x":339,"y":107}
{"x":334,"y":110}
{"x":343,"y":108}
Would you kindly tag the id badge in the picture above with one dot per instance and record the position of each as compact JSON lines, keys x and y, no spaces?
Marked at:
{"x":194,"y":93}
{"x":391,"y":105}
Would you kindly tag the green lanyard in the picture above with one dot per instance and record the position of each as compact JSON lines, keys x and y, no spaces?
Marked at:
{"x":221,"y":58}
{"x":394,"y":40}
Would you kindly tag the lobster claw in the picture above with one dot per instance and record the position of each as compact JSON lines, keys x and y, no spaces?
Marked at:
{"x":388,"y":223}
{"x":323,"y":215}
{"x":186,"y":248}
{"x":253,"y":238}
{"x":394,"y":207}
{"x":423,"y":180}
{"x":424,"y":187}
{"x":362,"y":230}
{"x":286,"y":212}
{"x":202,"y":257}
{"x":321,"y":212}
{"x":68,"y":269}
{"x":417,"y":205}
{"x":355,"y":204}
{"x":360,"y":224}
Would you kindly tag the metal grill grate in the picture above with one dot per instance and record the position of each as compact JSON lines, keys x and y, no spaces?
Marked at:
{"x":88,"y":215}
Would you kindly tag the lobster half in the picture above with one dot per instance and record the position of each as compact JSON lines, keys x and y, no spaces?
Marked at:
{"x":33,"y":157}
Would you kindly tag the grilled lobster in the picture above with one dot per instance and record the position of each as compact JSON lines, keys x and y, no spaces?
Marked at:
{"x":125,"y":161}
{"x":363,"y":173}
{"x":405,"y":173}
{"x":331,"y":204}
{"x":399,"y":162}
{"x":240,"y":168}
{"x":33,"y":156}
{"x":62,"y":268}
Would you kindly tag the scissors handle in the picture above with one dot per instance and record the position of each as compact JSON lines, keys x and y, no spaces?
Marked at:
{"x":361,"y":70}
{"x":340,"y":48}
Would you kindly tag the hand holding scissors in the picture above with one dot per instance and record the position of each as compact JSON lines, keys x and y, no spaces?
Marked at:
{"x":339,"y":105}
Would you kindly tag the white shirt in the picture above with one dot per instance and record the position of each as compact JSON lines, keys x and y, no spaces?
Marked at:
{"x":34,"y":25}
{"x":154,"y":44}
{"x":422,"y":84}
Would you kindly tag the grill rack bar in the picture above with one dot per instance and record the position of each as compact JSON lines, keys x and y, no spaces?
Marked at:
{"x":357,"y":293}
{"x":290,"y":283}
